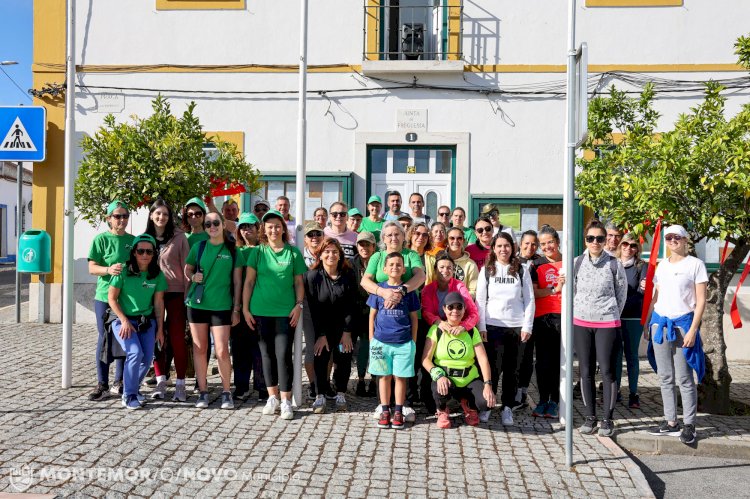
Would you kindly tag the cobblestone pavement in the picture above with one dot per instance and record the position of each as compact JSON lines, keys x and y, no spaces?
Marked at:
{"x":56,"y":441}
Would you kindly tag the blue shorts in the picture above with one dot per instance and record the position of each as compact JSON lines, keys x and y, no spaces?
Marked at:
{"x":395,"y":359}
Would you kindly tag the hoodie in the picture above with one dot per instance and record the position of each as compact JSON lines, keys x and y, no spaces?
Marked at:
{"x":598,"y":294}
{"x":466,"y":271}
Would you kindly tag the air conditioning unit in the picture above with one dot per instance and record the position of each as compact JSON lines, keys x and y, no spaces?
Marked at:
{"x":412,"y":41}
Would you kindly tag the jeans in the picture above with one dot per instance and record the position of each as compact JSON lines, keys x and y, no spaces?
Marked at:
{"x":502,"y":351}
{"x":140,"y":350}
{"x":276,"y":339}
{"x":102,"y":365}
{"x":631,"y":337}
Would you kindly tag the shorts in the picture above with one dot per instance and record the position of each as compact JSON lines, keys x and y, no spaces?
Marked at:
{"x":210,"y":317}
{"x":395,"y":359}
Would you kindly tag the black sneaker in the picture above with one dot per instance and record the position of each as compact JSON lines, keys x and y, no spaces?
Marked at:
{"x":372,"y":389}
{"x":606,"y":428}
{"x":361,"y":390}
{"x":589,"y":426}
{"x":688,"y":434}
{"x":634,"y":401}
{"x":262,"y":395}
{"x":101,"y":392}
{"x":523,"y":404}
{"x":665,"y":429}
{"x":311,"y":392}
{"x":241,"y":393}
{"x":577,"y":390}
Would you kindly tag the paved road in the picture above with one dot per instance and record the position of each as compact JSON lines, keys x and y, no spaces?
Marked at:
{"x":8,"y":286}
{"x":697,"y":477}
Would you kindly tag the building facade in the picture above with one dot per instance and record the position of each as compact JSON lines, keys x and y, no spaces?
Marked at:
{"x":9,"y":229}
{"x":460,"y":100}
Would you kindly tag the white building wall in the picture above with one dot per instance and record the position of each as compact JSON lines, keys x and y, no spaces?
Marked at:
{"x":9,"y":223}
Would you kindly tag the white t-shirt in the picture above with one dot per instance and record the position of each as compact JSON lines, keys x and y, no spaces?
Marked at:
{"x":505,"y":302}
{"x":676,"y":282}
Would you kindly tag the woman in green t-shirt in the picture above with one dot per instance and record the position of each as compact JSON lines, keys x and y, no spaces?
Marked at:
{"x":451,"y":361}
{"x":108,"y":253}
{"x":136,"y":296}
{"x":272,"y":301}
{"x":214,"y":270}
{"x":193,"y":216}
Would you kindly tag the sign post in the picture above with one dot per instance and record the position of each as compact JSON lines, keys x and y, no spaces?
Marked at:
{"x":24,"y":138}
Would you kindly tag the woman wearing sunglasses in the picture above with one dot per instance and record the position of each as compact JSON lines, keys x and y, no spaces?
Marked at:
{"x":674,"y":328}
{"x":600,"y":288}
{"x":339,"y":230}
{"x":272,"y":302}
{"x":172,"y":248}
{"x":629,"y":253}
{"x":452,"y":362}
{"x":480,"y":250}
{"x":213,"y":268}
{"x":418,"y":239}
{"x":193,"y":216}
{"x":136,"y":296}
{"x":505,"y":298}
{"x":107,"y":256}
{"x":466,"y":270}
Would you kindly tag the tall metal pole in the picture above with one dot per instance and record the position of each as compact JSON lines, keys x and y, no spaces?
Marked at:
{"x":19,"y":222}
{"x":299,"y":211}
{"x":68,"y":262}
{"x":568,"y":252}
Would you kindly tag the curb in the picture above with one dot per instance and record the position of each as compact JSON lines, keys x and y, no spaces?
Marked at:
{"x":641,"y":484}
{"x":705,"y":447}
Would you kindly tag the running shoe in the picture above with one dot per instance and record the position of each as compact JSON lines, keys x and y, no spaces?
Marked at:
{"x":116,"y":388}
{"x":132,"y":403}
{"x":688,"y":434}
{"x":665,"y":429}
{"x":311,"y":393}
{"x":384,"y":419}
{"x":241,"y":393}
{"x":471,"y":416}
{"x":606,"y":428}
{"x":378,"y":410}
{"x":141,"y":398}
{"x":443,"y":419}
{"x":484,"y":416}
{"x":226,"y":400}
{"x":272,"y":406}
{"x":287,"y":411}
{"x":521,"y":404}
{"x":319,"y":406}
{"x":160,"y":391}
{"x":634,"y":401}
{"x":331,"y":393}
{"x":180,"y":393}
{"x":341,"y":402}
{"x":262,"y":395}
{"x":397,"y":422}
{"x":551,"y":412}
{"x":539,"y":410}
{"x":589,"y":426}
{"x":202,"y":402}
{"x":507,"y":416}
{"x":101,"y":392}
{"x":409,"y":415}
{"x":372,"y":388}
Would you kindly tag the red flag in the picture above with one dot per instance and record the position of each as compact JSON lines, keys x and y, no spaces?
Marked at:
{"x":649,"y":291}
{"x":221,"y":188}
{"x":724,"y":253}
{"x":733,"y":310}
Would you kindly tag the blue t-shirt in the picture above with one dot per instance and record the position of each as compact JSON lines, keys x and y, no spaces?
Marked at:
{"x":393,"y":325}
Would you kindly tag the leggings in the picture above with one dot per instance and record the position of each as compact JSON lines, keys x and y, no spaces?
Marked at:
{"x":473,"y":393}
{"x":547,"y":343}
{"x":502,"y":352}
{"x":342,"y":360}
{"x":246,"y":358}
{"x":594,"y":344}
{"x":102,"y":365}
{"x":276,"y":339}
{"x":631,"y":337}
{"x":176,"y":316}
{"x":363,"y":354}
{"x":525,"y":362}
{"x":420,"y":386}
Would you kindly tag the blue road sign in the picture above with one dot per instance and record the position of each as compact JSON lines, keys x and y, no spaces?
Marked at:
{"x":23,"y":130}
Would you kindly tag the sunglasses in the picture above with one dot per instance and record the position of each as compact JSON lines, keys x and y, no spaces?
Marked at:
{"x":673,"y":237}
{"x":194,"y":214}
{"x":598,"y":239}
{"x":632,"y":246}
{"x":144,"y":251}
{"x":337,"y":214}
{"x":444,"y":214}
{"x":121,"y":217}
{"x":314,"y":233}
{"x":215,"y":223}
{"x":459,"y":238}
{"x":482,"y":230}
{"x":455,"y":306}
{"x":421,"y":234}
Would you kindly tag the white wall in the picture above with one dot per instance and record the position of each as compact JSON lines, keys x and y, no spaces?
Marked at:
{"x":9,"y":197}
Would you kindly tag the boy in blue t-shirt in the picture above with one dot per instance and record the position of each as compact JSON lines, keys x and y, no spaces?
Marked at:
{"x":393,"y":335}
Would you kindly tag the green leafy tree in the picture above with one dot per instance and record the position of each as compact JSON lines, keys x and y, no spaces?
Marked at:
{"x":161,"y":156}
{"x":697,"y":174}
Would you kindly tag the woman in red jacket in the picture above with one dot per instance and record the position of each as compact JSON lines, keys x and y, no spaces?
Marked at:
{"x":434,"y":293}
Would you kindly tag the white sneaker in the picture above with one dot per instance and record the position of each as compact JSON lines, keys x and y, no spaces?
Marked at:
{"x":272,"y":406}
{"x":341,"y":402}
{"x":484,"y":416}
{"x":507,"y":416}
{"x":409,"y":415}
{"x":378,"y":410}
{"x":287,"y":412}
{"x":226,"y":400}
{"x":319,"y":406}
{"x":160,"y":391}
{"x":180,"y":394}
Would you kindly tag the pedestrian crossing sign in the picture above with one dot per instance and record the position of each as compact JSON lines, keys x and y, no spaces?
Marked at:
{"x":23,"y":130}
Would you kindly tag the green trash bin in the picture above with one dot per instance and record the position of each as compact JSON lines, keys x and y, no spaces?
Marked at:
{"x":34,"y":252}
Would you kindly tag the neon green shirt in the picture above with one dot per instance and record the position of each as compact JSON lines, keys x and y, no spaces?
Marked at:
{"x":137,"y":291}
{"x":370,"y":226}
{"x":273,"y":294}
{"x":377,"y":262}
{"x":216,"y":263}
{"x":195,"y":238}
{"x":108,"y":249}
{"x":456,"y":352}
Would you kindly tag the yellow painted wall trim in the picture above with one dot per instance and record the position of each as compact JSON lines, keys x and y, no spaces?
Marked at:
{"x":634,"y":3}
{"x":200,"y":4}
{"x":454,"y":30}
{"x":371,"y":25}
{"x":236,"y":138}
{"x":603,"y":68}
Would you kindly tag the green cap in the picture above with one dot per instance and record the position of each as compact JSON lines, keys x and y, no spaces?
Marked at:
{"x":273,"y":213}
{"x":197,"y":201}
{"x":374,"y":199}
{"x":116,"y":204}
{"x":144,"y":238}
{"x":247,"y":218}
{"x":354,"y":212}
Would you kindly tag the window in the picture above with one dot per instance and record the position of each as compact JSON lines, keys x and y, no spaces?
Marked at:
{"x":402,"y":159}
{"x":634,"y":3}
{"x":200,"y":4}
{"x":320,"y":190}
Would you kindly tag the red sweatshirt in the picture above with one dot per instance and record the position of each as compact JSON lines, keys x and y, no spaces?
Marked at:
{"x":431,"y":307}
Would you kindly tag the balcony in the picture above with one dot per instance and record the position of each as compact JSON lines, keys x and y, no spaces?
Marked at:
{"x":412,"y":36}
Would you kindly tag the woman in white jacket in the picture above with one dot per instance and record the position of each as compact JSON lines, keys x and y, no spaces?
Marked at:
{"x":505,"y":299}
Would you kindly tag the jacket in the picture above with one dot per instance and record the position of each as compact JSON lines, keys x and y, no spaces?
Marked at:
{"x":431,"y":307}
{"x":694,"y":355}
{"x":599,"y":289}
{"x":172,"y":256}
{"x":330,"y":302}
{"x":466,"y":271}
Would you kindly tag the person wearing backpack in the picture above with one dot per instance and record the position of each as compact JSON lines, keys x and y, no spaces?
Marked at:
{"x":213,"y":302}
{"x":505,"y":298}
{"x":600,"y":288}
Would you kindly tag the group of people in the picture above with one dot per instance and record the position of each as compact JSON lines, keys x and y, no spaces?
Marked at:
{"x":433,"y":309}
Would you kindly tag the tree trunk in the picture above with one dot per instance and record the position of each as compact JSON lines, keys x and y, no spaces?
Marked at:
{"x":713,"y":392}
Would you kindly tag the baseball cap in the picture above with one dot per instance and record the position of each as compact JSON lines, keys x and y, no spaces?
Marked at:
{"x":677,"y":230}
{"x":354,"y":212}
{"x":260,"y":201}
{"x":374,"y":199}
{"x":144,"y":238}
{"x":271,"y":214}
{"x":366,"y":236}
{"x":116,"y":204}
{"x":198,"y":202}
{"x":247,"y":218}
{"x":311,"y":226}
{"x":453,"y":297}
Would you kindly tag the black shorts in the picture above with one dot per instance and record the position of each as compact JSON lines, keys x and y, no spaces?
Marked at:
{"x":210,"y":317}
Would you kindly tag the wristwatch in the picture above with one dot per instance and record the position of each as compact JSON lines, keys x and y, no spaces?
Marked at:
{"x":488,"y":382}
{"x":403,"y":290}
{"x":300,"y":304}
